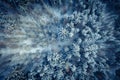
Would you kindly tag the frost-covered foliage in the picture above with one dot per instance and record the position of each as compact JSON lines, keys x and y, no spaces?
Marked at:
{"x":57,"y":40}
